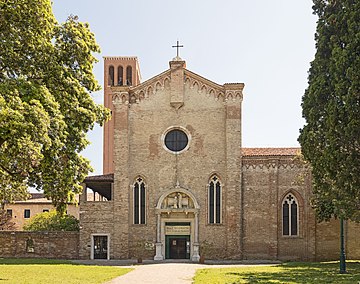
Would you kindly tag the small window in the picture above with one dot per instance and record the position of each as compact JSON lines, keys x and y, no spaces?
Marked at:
{"x":176,"y":140}
{"x":45,"y":210}
{"x":27,"y":213}
{"x":120,"y":76}
{"x":9,"y":212}
{"x":129,"y":76}
{"x":214,"y":200}
{"x":111,"y":76}
{"x":290,"y":216}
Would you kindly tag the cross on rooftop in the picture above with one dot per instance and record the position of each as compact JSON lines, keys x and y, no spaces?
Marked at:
{"x":177,"y":48}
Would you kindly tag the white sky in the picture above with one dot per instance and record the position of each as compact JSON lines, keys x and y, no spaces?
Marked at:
{"x":268,"y":45}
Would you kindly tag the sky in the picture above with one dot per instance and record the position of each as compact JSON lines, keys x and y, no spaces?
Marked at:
{"x":267,"y":45}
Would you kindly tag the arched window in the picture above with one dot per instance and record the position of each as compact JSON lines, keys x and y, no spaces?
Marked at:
{"x":290,"y":215}
{"x":111,"y":76}
{"x":214,"y":200}
{"x":120,"y":76}
{"x":139,"y":201}
{"x":129,"y":76}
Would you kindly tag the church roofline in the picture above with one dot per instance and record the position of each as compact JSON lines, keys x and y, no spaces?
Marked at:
{"x":226,"y":91}
{"x":151,"y":80}
{"x":100,"y":178}
{"x":190,"y":74}
{"x":254,"y":152}
{"x":201,"y":78}
{"x":120,"y":57}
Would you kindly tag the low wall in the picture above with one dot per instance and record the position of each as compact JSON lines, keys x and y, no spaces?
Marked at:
{"x":61,"y":245}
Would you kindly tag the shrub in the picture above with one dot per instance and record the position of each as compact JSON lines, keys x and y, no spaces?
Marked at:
{"x":51,"y":221}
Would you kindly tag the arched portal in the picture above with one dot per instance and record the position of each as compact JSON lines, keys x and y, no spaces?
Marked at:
{"x":177,"y":235}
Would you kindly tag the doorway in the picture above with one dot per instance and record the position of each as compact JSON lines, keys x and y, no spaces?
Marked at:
{"x":100,"y":247}
{"x":177,"y":247}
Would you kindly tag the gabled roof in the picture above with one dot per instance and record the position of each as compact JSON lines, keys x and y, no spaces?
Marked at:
{"x":147,"y":88}
{"x":253,"y":152}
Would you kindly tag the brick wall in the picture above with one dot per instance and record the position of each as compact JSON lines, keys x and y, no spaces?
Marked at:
{"x":61,"y":245}
{"x":328,"y":240}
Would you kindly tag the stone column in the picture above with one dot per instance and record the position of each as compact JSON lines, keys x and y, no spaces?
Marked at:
{"x":158,"y":245}
{"x":196,"y":255}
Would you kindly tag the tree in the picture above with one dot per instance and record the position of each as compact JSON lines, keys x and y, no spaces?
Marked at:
{"x":51,"y":221}
{"x":6,"y":222}
{"x":330,"y":139}
{"x":46,"y":107}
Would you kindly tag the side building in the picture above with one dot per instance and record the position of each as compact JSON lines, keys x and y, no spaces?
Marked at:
{"x":22,"y":210}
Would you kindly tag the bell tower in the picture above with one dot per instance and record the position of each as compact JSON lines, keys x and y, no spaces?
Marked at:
{"x":123,"y":72}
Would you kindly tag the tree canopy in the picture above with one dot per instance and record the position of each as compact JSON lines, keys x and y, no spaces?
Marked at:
{"x":51,"y":221}
{"x":6,"y":222}
{"x":46,"y":107}
{"x":330,"y":139}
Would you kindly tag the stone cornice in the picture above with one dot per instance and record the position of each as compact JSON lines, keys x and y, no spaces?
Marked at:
{"x":120,"y":58}
{"x":226,"y":92}
{"x":280,"y":162}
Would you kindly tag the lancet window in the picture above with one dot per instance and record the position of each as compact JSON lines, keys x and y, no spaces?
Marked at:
{"x":139,"y":201}
{"x":129,"y":76}
{"x":290,"y":216}
{"x":120,"y":76}
{"x":214,"y":211}
{"x":111,"y":76}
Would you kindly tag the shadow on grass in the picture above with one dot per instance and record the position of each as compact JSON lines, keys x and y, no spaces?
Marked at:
{"x":22,"y":261}
{"x":316,"y":273}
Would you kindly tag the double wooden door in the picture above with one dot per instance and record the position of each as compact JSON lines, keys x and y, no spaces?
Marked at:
{"x":178,"y":248}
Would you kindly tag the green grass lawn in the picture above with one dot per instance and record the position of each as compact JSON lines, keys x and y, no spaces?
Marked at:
{"x":292,"y":272}
{"x":21,"y":271}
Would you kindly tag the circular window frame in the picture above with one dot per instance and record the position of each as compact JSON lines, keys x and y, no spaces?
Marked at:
{"x":183,"y":129}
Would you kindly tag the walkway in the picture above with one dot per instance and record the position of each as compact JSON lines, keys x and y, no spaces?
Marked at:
{"x":167,"y":273}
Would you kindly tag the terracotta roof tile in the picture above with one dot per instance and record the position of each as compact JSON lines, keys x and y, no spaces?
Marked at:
{"x":37,"y":195}
{"x":270,"y":151}
{"x":107,"y":177}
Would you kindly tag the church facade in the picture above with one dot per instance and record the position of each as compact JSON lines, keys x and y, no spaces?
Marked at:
{"x":177,"y":183}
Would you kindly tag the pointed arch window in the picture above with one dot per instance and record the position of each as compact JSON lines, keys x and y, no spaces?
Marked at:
{"x":120,"y":76}
{"x":290,"y":216}
{"x":111,"y":76}
{"x":129,"y":76}
{"x":214,"y":200}
{"x":139,"y":201}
